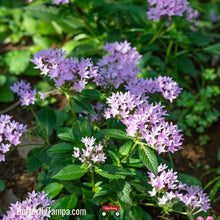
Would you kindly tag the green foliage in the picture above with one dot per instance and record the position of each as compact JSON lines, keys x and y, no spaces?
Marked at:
{"x":199,"y":112}
{"x":17,"y":61}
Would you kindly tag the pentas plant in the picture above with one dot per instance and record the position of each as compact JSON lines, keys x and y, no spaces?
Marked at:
{"x":168,"y":191}
{"x":119,"y":66}
{"x":10,"y":133}
{"x":171,"y":8}
{"x":163,"y":84}
{"x":35,"y":207}
{"x":25,"y":92}
{"x":66,"y":72}
{"x":102,"y":140}
{"x":144,"y":121}
{"x":92,"y":154}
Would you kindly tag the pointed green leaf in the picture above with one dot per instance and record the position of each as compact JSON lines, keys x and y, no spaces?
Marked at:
{"x":214,"y":48}
{"x":125,"y":148}
{"x":70,"y":172}
{"x":84,"y":104}
{"x":61,"y":148}
{"x":115,"y":133}
{"x":53,"y":189}
{"x":47,"y":118}
{"x":148,"y":158}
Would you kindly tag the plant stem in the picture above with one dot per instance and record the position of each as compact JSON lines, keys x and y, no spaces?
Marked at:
{"x":190,"y":217}
{"x":149,"y":204}
{"x":141,"y":143}
{"x":73,"y":112}
{"x":135,"y":144}
{"x":171,"y":160}
{"x":92,"y":180}
{"x":34,"y":114}
{"x":76,"y":13}
{"x":168,"y":52}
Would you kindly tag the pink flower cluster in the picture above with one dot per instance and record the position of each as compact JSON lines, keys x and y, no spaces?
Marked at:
{"x":145,"y":121}
{"x":208,"y":218}
{"x":163,"y":84}
{"x":34,"y":207}
{"x":120,"y":66}
{"x":10,"y":132}
{"x":171,"y":8}
{"x":64,"y":71}
{"x":168,"y":190}
{"x":24,"y":91}
{"x":92,"y":154}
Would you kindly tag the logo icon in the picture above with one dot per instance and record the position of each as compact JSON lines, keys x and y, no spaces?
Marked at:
{"x":107,"y":208}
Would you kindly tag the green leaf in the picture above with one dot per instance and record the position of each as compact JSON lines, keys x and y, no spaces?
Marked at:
{"x":85,"y":129}
{"x":43,"y":42}
{"x":61,"y":148}
{"x":114,"y":172}
{"x":61,"y":117}
{"x":53,"y":189}
{"x":68,"y":202}
{"x":70,"y":172}
{"x":76,"y":134}
{"x":17,"y":61}
{"x":197,"y":38}
{"x":47,"y":118}
{"x":115,"y":133}
{"x":214,"y":190}
{"x":114,"y":157}
{"x":188,"y":179}
{"x":214,"y":48}
{"x":3,"y":80}
{"x":125,"y":148}
{"x":65,"y":134}
{"x":186,"y":66}
{"x":138,"y":212}
{"x":123,"y":190}
{"x":6,"y":94}
{"x":146,"y":216}
{"x":148,"y":158}
{"x":92,"y":94}
{"x":2,"y":185}
{"x":84,"y":104}
{"x":35,"y":158}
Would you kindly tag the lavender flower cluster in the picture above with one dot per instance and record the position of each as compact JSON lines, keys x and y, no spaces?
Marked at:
{"x":120,"y":66}
{"x":168,"y":191}
{"x":171,"y":8}
{"x":92,"y":154}
{"x":35,"y":207}
{"x":10,"y":132}
{"x":24,"y":91}
{"x":65,"y":71}
{"x":144,"y":121}
{"x":165,"y":85}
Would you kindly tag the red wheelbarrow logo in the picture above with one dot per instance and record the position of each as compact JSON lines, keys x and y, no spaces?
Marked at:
{"x":106,"y":208}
